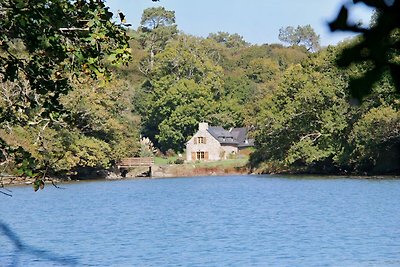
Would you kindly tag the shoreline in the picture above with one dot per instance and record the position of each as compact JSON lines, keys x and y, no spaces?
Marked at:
{"x":7,"y":182}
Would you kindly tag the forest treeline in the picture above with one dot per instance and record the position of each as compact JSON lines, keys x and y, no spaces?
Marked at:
{"x":293,"y":97}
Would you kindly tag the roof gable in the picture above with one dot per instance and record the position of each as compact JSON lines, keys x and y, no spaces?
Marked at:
{"x":235,"y":136}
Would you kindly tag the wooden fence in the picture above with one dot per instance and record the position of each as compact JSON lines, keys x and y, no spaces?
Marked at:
{"x":135,"y":162}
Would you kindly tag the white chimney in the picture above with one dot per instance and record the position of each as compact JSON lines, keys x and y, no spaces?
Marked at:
{"x":203,"y":126}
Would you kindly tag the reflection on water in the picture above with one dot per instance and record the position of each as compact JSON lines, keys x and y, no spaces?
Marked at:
{"x":207,"y":221}
{"x":17,"y":250}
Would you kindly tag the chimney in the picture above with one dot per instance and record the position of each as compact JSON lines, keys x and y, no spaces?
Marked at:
{"x":203,"y":126}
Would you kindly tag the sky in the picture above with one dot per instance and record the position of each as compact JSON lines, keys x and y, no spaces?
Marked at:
{"x":258,"y":21}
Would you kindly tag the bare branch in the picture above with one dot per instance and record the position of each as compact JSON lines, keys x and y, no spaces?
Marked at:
{"x":73,"y":29}
{"x":310,"y":135}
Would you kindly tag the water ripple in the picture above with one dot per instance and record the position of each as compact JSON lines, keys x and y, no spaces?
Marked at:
{"x":210,"y":221}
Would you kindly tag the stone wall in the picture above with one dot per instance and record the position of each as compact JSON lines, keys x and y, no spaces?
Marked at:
{"x":212,"y":146}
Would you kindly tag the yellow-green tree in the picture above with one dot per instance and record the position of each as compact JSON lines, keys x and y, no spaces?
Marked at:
{"x":47,"y":46}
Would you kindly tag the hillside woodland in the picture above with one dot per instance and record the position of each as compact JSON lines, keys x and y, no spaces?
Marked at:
{"x":293,"y":96}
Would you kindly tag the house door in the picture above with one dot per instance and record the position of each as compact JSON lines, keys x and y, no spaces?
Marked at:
{"x":200,"y":155}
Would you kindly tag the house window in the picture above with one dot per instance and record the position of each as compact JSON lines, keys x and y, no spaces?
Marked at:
{"x":201,"y":140}
{"x":200,"y":155}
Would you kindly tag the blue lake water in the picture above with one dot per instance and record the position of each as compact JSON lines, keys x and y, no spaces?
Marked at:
{"x":206,"y":221}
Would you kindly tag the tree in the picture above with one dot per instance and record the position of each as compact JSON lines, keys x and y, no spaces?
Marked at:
{"x":379,"y":45}
{"x":103,"y":113}
{"x":302,"y":124}
{"x":262,"y":70}
{"x":182,"y":107}
{"x":183,"y":89}
{"x":97,"y":131}
{"x":376,"y":140}
{"x":45,"y":47}
{"x":227,"y":39}
{"x":309,"y":124}
{"x":240,"y":88}
{"x":157,"y":27}
{"x":302,"y":35}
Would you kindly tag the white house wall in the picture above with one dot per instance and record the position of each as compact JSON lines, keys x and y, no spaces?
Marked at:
{"x":212,"y":146}
{"x":228,"y":150}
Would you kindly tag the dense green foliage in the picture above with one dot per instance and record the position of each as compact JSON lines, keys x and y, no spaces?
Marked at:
{"x":229,"y":40}
{"x":309,"y":124}
{"x":61,"y":113}
{"x":197,"y":79}
{"x":48,"y":50}
{"x":157,"y":28}
{"x":302,"y":35}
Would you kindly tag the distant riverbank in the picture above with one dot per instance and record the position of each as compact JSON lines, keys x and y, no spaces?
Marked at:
{"x":196,"y":170}
{"x":218,"y":168}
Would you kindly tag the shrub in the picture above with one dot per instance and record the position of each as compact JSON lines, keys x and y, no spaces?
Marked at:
{"x":179,"y":161}
{"x":170,"y":153}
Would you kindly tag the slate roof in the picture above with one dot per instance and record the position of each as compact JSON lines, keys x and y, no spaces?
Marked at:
{"x":240,"y":135}
{"x":235,"y":136}
{"x":223,"y":136}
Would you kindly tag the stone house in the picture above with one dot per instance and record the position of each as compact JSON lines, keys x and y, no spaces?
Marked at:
{"x":215,"y":143}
